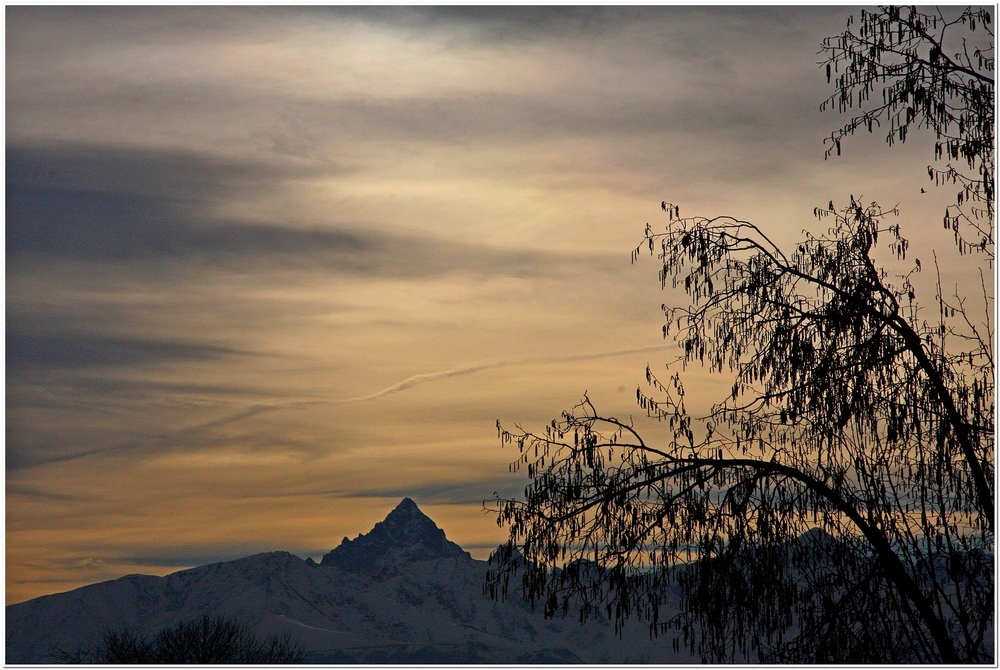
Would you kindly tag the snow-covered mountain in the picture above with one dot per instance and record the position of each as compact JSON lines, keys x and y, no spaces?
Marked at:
{"x":403,"y":593}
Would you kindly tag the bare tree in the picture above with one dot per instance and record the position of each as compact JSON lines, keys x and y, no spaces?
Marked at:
{"x":838,"y":506}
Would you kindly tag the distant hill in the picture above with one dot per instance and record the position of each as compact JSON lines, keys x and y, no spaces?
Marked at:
{"x":403,"y":593}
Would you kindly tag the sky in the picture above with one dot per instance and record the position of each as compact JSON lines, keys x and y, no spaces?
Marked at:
{"x":270,"y":270}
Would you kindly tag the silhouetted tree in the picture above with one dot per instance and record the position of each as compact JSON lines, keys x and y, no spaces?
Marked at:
{"x":838,"y":506}
{"x":203,"y":641}
{"x":901,"y":68}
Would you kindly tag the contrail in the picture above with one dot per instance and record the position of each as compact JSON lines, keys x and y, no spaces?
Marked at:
{"x":410,"y":382}
{"x":416,"y":380}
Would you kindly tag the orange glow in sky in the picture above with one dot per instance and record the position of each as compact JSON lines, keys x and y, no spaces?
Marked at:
{"x":270,"y":270}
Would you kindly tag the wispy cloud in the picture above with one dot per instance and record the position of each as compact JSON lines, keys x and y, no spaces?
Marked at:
{"x":26,"y":457}
{"x":416,"y":380}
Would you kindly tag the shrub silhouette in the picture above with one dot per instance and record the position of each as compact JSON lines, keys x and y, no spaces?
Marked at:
{"x":203,"y":641}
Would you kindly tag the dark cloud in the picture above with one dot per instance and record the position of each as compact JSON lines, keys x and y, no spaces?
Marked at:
{"x":499,"y":24}
{"x":75,"y":337}
{"x":135,"y":172}
{"x":20,"y":455}
{"x":142,"y":207}
{"x":44,"y":433}
{"x":83,"y":350}
{"x":40,"y":494}
{"x":64,"y":376}
{"x":494,"y":23}
{"x":504,"y":24}
{"x":147,"y":388}
{"x":127,"y":204}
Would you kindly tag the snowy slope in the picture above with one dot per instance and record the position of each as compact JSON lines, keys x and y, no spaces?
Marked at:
{"x":402,"y":593}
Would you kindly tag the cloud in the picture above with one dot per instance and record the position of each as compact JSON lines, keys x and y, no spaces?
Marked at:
{"x":408,"y":383}
{"x":138,"y":205}
{"x":142,"y":207}
{"x":171,"y":175}
{"x":68,"y":378}
{"x":690,"y":30}
{"x":114,"y":313}
{"x":469,"y":492}
{"x":122,"y":27}
{"x":493,"y":23}
{"x":23,"y":452}
{"x":40,"y":494}
{"x":19,"y":455}
{"x":67,"y":350}
{"x":130,"y":388}
{"x":705,"y":72}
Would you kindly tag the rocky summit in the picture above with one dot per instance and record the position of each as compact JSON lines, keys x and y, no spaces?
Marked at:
{"x":407,"y":535}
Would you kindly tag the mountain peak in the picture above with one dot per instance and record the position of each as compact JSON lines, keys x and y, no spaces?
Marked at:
{"x":405,"y":535}
{"x":407,"y":509}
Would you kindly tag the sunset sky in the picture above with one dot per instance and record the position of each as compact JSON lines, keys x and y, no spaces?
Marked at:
{"x":270,"y":270}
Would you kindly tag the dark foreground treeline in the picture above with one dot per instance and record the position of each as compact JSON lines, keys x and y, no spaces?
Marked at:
{"x":208,"y":640}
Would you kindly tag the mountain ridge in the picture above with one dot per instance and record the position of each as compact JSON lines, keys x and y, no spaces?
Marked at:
{"x":401,"y":593}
